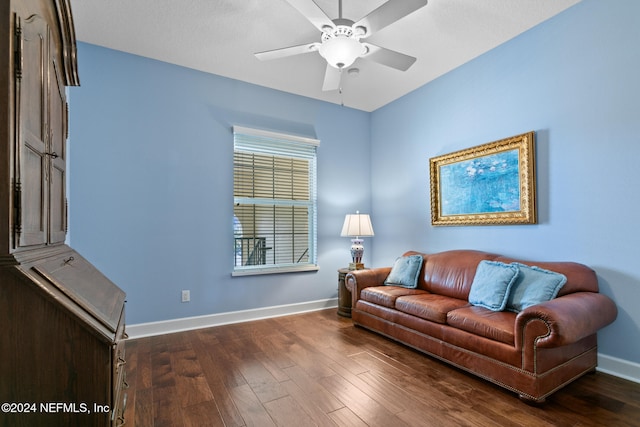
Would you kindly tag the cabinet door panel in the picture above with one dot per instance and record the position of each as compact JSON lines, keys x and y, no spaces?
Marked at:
{"x":57,"y":205}
{"x":58,"y":157}
{"x":33,"y":230}
{"x":33,"y":87}
{"x":32,"y":133}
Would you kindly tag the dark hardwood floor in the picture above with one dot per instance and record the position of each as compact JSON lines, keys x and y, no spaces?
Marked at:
{"x":317,"y":369}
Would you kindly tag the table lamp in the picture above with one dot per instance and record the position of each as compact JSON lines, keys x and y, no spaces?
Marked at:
{"x":357,"y":226}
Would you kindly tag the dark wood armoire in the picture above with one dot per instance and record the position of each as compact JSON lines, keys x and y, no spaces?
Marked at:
{"x":62,"y":321}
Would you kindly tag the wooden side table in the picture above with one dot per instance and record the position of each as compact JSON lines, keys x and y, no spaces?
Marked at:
{"x":344,"y":296}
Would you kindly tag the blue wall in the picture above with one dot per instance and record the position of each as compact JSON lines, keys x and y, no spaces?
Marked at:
{"x":574,"y":80}
{"x":151,"y":181}
{"x":151,"y":174}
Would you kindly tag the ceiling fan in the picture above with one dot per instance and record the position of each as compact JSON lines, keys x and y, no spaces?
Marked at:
{"x":340,"y":42}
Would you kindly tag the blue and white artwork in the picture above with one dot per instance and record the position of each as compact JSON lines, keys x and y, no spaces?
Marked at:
{"x":486,"y":184}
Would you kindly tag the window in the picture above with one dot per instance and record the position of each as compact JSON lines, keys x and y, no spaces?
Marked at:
{"x":274,"y":195}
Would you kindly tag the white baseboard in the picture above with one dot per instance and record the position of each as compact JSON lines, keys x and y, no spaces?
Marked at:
{"x":607,"y":364}
{"x":142,"y":330}
{"x":619,"y":367}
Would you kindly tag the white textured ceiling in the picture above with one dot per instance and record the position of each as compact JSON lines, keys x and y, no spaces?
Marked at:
{"x":221,"y":36}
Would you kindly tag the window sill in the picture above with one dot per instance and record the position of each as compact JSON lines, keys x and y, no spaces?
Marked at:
{"x":274,"y":270}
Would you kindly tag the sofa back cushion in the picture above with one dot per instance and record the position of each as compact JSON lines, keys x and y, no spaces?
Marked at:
{"x":580,"y":278}
{"x":451,"y":273}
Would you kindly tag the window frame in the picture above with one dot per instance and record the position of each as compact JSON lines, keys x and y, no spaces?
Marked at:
{"x":277,"y":144}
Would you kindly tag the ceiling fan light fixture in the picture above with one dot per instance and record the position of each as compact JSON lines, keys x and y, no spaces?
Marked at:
{"x":341,"y":51}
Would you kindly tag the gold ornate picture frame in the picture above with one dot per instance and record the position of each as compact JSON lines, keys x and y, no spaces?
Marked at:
{"x":490,"y":184}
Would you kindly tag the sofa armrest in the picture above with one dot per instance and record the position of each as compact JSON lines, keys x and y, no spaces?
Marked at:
{"x":564,"y":320}
{"x":357,"y":280}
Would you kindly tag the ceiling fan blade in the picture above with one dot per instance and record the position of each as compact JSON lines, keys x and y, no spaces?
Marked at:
{"x":313,"y":13}
{"x":388,"y":57}
{"x":331,"y":78}
{"x":388,"y":13}
{"x":287,"y":51}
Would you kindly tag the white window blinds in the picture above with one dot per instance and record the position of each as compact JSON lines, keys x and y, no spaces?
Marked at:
{"x":274,"y":190}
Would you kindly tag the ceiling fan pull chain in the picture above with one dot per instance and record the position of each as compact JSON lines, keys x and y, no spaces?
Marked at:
{"x":340,"y":87}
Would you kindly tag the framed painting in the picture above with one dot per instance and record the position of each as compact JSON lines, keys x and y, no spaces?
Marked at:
{"x":491,"y":184}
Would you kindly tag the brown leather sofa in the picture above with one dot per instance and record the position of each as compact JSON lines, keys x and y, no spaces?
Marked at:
{"x":533,"y":353}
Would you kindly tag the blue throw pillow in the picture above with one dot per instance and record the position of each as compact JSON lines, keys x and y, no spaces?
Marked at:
{"x":405,"y":272}
{"x":533,"y":286}
{"x":491,"y":284}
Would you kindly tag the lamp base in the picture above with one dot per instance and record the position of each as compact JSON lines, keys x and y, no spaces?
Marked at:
{"x":356,"y":266}
{"x":356,"y":254}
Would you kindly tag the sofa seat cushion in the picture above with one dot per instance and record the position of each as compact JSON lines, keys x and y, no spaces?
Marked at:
{"x":387,"y":295}
{"x":429,"y":306}
{"x":495,"y":325}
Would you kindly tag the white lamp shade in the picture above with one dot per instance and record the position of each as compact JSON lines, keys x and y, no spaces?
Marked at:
{"x":358,"y":225}
{"x":341,"y":51}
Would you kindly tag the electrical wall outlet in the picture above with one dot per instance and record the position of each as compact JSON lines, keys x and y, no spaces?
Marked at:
{"x":186,"y":296}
